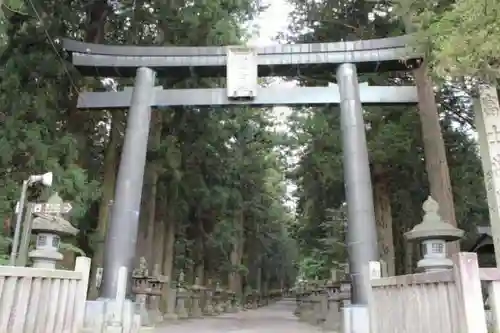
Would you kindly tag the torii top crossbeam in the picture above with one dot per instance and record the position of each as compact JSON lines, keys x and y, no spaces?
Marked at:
{"x":375,"y":55}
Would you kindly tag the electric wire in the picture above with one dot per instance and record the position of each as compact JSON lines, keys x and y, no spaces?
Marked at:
{"x":54,"y":47}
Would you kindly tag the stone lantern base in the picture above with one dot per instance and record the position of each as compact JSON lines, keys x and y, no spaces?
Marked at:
{"x":45,"y":259}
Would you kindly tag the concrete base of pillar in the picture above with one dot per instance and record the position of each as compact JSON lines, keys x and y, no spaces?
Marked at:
{"x":170,"y":316}
{"x":356,"y":319}
{"x":110,"y":316}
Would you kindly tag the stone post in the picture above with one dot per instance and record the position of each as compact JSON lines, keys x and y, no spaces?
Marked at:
{"x":306,"y":305}
{"x":208,"y":309}
{"x":157,"y":283}
{"x":196,"y":299}
{"x":315,"y":316}
{"x":170,"y":302}
{"x":255,"y":299}
{"x":487,"y":116}
{"x":333,"y":320}
{"x":140,"y":289}
{"x":299,"y":294}
{"x":218,"y":299}
{"x":247,"y":298}
{"x":232,"y":305}
{"x":182,"y":296}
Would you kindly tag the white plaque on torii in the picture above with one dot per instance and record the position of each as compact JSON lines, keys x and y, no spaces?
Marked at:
{"x":241,"y":72}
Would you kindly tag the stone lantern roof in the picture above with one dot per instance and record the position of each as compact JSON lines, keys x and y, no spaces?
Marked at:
{"x":52,"y":224}
{"x":432,"y":226}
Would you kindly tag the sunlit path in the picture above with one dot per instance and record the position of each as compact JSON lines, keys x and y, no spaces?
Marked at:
{"x":276,"y":318}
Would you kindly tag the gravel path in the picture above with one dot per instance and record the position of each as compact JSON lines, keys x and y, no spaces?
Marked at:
{"x":276,"y":318}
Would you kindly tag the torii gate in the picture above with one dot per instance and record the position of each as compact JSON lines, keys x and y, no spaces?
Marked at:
{"x":242,"y":67}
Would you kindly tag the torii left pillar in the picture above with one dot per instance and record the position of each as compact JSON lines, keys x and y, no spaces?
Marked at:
{"x":123,"y":227}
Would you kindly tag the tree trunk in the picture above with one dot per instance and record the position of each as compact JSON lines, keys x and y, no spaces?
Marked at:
{"x":434,"y":150}
{"x":146,"y":235}
{"x":383,"y":217}
{"x":236,"y":257}
{"x":108,"y":190}
{"x":409,"y":248}
{"x":199,"y":262}
{"x":97,"y":14}
{"x":259,"y":276}
{"x":158,"y":245}
{"x":168,"y":257}
{"x":144,"y":245}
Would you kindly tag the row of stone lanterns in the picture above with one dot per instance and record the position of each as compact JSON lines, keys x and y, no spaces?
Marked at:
{"x":185,"y":301}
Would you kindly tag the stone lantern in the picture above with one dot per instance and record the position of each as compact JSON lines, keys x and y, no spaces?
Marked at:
{"x":197,"y":290}
{"x":145,"y":285}
{"x":433,"y":234}
{"x":48,"y":229}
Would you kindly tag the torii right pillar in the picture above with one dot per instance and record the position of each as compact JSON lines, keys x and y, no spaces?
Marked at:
{"x":362,"y":245}
{"x":487,"y":116}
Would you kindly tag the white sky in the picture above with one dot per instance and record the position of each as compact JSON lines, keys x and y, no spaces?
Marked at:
{"x":270,"y":23}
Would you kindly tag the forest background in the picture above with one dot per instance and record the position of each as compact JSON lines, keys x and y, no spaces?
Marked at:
{"x":216,"y":198}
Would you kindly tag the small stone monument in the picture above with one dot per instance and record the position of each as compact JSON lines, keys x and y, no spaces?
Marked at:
{"x":140,"y":288}
{"x":182,"y":296}
{"x":170,"y":301}
{"x":197,"y":290}
{"x":433,"y":233}
{"x":208,"y":309}
{"x":247,"y":303}
{"x":218,"y":301}
{"x":157,"y":282}
{"x":48,"y":229}
{"x":146,"y":286}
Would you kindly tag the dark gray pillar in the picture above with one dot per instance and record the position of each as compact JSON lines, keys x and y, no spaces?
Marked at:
{"x":122,"y":230}
{"x":361,"y":233}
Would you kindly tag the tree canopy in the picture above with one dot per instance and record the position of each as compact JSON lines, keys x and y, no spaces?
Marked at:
{"x":214,"y":201}
{"x":214,"y":190}
{"x":461,"y":38}
{"x":395,"y":144}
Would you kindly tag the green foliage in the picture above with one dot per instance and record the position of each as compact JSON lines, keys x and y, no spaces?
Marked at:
{"x":462,"y":38}
{"x":71,"y":248}
{"x":393,"y":137}
{"x":217,"y":166}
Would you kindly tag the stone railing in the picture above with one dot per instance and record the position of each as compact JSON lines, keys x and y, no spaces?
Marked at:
{"x":43,"y":300}
{"x":438,"y":301}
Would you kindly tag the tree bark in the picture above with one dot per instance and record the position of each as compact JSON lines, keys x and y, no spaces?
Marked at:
{"x":199,"y":262}
{"x":408,"y":260}
{"x":144,"y":245}
{"x":97,"y":14}
{"x":168,"y":257}
{"x":145,"y":238}
{"x":158,"y":242}
{"x":236,"y":257}
{"x":436,"y":163}
{"x":108,"y":190}
{"x":383,"y":217}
